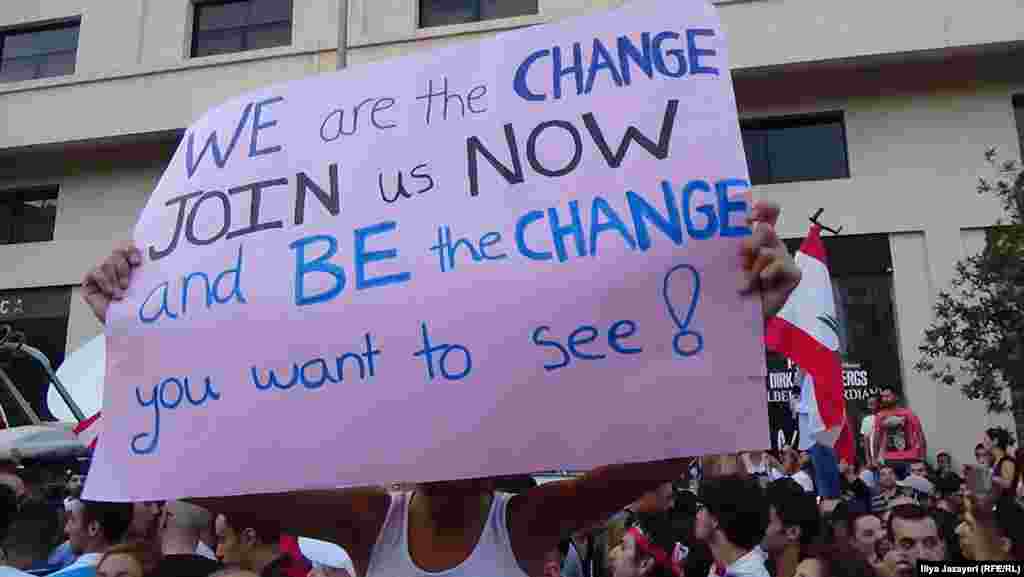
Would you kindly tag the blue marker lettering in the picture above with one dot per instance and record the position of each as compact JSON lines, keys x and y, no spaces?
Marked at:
{"x":727,"y":207}
{"x":521,"y":224}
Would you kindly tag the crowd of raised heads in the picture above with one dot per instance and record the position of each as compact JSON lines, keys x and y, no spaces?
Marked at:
{"x":59,"y":533}
{"x":779,"y":513}
{"x":765,"y":513}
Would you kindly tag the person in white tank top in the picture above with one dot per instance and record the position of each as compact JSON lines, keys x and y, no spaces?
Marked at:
{"x":462,"y":528}
{"x":491,"y":554}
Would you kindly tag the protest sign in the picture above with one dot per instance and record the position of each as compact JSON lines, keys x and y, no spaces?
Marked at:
{"x":499,"y":257}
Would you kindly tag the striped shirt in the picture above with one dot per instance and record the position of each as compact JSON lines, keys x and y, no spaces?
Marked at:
{"x":880,"y":500}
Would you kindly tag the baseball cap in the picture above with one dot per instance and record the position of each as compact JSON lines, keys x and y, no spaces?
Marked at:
{"x":918,"y":485}
{"x":326,"y":554}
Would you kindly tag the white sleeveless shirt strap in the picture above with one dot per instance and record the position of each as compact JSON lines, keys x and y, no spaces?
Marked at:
{"x":492,"y":556}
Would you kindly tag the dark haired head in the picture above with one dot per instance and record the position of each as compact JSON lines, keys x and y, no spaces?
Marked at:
{"x":660,"y":531}
{"x":1001,"y":438}
{"x":1009,"y":517}
{"x":267,"y":532}
{"x":795,"y":508}
{"x":113,"y":518}
{"x":514,"y":483}
{"x":8,"y":508}
{"x":909,"y":512}
{"x":34,"y":533}
{"x":738,"y":505}
{"x":686,"y":504}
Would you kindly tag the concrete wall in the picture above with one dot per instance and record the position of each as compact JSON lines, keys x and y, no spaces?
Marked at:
{"x":134,"y":52}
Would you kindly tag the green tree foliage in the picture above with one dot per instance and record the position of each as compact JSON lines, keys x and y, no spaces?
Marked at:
{"x":976,"y":340}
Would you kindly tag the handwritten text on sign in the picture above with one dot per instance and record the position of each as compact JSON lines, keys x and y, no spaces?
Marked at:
{"x":415,"y":270}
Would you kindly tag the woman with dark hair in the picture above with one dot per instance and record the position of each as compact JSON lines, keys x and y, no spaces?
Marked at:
{"x":649,"y":549}
{"x":834,"y":561}
{"x":1004,"y":471}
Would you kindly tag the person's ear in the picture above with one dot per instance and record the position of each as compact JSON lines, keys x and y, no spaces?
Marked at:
{"x":94,"y":529}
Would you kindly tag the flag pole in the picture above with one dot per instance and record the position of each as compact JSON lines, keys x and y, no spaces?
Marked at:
{"x":342,"y":52}
{"x":814,"y":219}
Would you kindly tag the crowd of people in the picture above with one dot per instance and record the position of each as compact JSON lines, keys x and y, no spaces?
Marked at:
{"x":754,"y":514}
{"x":76,"y":537}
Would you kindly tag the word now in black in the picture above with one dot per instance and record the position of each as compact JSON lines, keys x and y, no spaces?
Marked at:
{"x":969,"y":568}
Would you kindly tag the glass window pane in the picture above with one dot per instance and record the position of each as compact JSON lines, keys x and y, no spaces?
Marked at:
{"x":37,"y":222}
{"x":20,"y":69}
{"x":40,"y":42}
{"x":447,"y":12}
{"x":57,"y":64}
{"x":490,"y":9}
{"x":267,"y":11}
{"x":757,"y":155}
{"x":218,"y":42}
{"x":268,"y":35}
{"x":6,"y":219}
{"x":807,"y":152}
{"x":221,"y":16}
{"x":28,"y":216}
{"x":787,"y":150}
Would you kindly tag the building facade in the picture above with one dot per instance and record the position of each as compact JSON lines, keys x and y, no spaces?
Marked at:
{"x":878,"y":112}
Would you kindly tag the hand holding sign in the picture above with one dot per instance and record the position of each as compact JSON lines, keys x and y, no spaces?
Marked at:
{"x":110,"y":279}
{"x":769,"y":266}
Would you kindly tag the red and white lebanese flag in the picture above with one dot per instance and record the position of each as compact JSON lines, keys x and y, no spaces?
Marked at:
{"x":806,"y":331}
{"x":88,"y":431}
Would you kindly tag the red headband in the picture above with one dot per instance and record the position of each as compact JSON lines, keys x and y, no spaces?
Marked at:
{"x":659,"y":554}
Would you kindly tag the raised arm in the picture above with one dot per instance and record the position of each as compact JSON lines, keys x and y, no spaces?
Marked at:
{"x":540,"y":517}
{"x":351,"y":518}
{"x":1007,"y":475}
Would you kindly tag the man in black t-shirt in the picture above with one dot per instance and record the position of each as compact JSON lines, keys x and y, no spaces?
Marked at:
{"x":945,"y":479}
{"x":180,"y":527}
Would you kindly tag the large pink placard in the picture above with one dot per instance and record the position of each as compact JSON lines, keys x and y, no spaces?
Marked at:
{"x":508,"y":256}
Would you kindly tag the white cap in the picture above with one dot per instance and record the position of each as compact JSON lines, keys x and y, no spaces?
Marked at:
{"x":917,"y":483}
{"x":326,"y":554}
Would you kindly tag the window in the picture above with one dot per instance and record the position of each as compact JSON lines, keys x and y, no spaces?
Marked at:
{"x":1018,"y":113}
{"x":27,"y":215}
{"x":38,"y":52}
{"x":795,"y":148}
{"x":447,"y":12}
{"x":237,"y":25}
